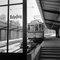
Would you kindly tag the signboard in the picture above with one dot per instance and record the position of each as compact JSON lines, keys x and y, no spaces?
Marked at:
{"x":15,"y":16}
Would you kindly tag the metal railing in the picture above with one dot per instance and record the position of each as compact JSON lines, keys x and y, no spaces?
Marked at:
{"x":34,"y":54}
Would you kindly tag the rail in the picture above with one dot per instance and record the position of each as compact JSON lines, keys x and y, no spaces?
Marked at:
{"x":14,"y":46}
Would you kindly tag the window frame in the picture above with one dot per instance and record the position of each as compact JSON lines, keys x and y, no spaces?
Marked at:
{"x":24,"y":23}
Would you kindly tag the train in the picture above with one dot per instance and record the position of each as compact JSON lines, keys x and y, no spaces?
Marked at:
{"x":35,"y":30}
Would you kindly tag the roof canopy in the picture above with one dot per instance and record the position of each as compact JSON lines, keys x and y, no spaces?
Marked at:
{"x":51,"y":12}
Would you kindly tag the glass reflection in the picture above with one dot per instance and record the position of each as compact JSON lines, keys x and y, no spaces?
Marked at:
{"x":2,"y":2}
{"x":15,"y":1}
{"x":3,"y":29}
{"x":15,"y":29}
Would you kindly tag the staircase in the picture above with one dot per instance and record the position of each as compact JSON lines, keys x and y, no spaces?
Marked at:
{"x":49,"y":53}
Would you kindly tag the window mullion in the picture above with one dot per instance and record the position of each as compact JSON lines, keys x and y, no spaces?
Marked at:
{"x":8,"y":27}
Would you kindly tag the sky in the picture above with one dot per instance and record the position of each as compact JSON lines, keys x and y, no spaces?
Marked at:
{"x":32,"y":10}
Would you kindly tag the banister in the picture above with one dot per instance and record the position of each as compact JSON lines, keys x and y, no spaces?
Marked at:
{"x":34,"y":54}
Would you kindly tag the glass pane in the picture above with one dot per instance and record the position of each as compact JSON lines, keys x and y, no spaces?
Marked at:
{"x":15,"y":1}
{"x":3,"y":30}
{"x":15,"y":29}
{"x":33,"y":19}
{"x":2,"y":2}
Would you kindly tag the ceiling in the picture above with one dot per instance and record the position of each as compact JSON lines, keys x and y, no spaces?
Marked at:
{"x":51,"y":12}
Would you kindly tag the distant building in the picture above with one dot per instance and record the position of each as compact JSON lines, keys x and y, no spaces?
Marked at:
{"x":35,"y":29}
{"x":15,"y":30}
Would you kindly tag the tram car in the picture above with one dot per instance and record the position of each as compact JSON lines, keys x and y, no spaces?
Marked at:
{"x":35,"y":30}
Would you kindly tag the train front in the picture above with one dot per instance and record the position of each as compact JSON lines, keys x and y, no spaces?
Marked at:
{"x":35,"y":31}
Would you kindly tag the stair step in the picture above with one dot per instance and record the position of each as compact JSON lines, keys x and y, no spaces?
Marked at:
{"x":51,"y":53}
{"x":49,"y":50}
{"x":50,"y":56}
{"x":48,"y":59}
{"x":50,"y":47}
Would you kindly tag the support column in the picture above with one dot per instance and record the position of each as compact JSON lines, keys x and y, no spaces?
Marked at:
{"x":0,"y":35}
{"x":57,"y":33}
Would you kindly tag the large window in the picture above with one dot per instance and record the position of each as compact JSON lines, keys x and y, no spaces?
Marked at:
{"x":3,"y":28}
{"x":11,"y":26}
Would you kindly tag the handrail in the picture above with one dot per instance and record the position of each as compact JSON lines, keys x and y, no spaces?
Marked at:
{"x":35,"y":52}
{"x":32,"y":48}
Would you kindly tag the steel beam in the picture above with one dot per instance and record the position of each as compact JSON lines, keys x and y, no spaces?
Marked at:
{"x":51,"y":11}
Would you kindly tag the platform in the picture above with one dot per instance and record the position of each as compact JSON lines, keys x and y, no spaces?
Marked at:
{"x":50,"y":44}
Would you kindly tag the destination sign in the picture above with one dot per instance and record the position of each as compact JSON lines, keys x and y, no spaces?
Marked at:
{"x":15,"y":16}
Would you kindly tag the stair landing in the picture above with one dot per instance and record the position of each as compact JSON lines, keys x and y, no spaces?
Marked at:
{"x":51,"y":42}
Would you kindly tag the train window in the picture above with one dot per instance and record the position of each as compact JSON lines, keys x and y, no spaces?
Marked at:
{"x":39,"y":27}
{"x":36,"y":27}
{"x":32,"y":28}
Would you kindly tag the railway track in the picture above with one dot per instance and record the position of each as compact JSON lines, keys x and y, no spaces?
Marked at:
{"x":14,"y":46}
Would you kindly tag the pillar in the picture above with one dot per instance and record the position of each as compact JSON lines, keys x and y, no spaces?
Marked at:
{"x":0,"y":35}
{"x":57,"y":33}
